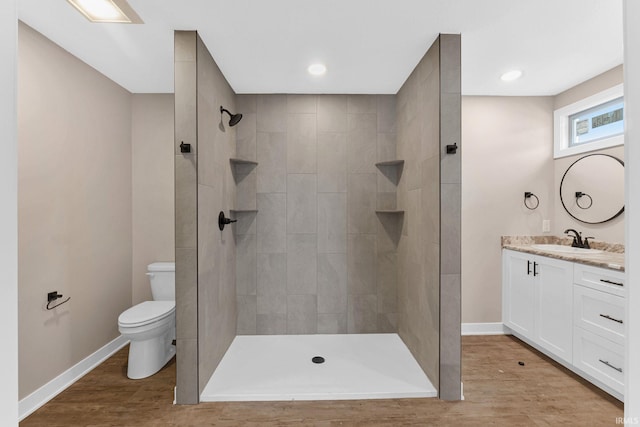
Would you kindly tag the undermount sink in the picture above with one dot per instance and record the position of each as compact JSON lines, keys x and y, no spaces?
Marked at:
{"x":566,"y":249}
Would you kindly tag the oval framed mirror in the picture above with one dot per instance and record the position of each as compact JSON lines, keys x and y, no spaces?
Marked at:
{"x":592,"y":188}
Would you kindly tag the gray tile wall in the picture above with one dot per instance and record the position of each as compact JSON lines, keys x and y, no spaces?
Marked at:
{"x":428,"y":254}
{"x":205,"y":257}
{"x":186,"y":219}
{"x":217,"y":184}
{"x":450,"y":212}
{"x":316,"y":258}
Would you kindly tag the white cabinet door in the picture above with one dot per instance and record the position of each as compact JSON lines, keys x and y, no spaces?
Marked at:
{"x":554,"y":301}
{"x":518,"y":292}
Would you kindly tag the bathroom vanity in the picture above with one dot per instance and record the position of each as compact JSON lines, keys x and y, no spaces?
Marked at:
{"x":570,"y":305}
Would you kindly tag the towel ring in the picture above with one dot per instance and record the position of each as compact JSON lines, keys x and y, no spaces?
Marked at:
{"x":579,"y":195}
{"x":528,"y":195}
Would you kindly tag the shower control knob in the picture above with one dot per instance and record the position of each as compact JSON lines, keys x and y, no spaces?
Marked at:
{"x":222,"y":221}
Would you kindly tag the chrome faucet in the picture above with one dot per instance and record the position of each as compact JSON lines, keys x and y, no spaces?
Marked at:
{"x":577,"y":239}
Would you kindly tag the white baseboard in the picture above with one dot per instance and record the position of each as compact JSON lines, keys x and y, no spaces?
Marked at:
{"x":496,"y":328}
{"x":51,"y":389}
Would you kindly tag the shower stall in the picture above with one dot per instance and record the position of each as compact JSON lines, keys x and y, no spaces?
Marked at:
{"x":348,"y":223}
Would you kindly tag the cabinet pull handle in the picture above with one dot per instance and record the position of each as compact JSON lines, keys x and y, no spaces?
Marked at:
{"x":535,"y":272}
{"x":528,"y":267}
{"x":606,"y":316}
{"x":610,"y":365}
{"x":611,"y":283}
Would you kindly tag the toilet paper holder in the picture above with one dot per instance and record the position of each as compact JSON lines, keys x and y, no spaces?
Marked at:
{"x":54,"y":296}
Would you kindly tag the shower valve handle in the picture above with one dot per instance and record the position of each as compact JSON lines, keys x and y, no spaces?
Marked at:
{"x":222,"y":221}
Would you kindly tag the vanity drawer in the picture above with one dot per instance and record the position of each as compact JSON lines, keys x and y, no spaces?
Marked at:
{"x":599,"y":357}
{"x":601,"y":279}
{"x":599,"y":312}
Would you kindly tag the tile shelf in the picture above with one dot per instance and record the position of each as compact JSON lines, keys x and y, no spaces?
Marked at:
{"x":395,"y":212}
{"x":390,"y":163}
{"x":241,"y":211}
{"x":242,"y":162}
{"x":390,"y":211}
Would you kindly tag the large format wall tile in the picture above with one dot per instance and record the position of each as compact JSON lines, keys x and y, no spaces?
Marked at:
{"x":301,"y":203}
{"x":272,"y":113}
{"x":386,"y":146}
{"x":301,"y":314}
{"x":272,"y":159}
{"x":428,"y":256}
{"x":187,"y":293}
{"x":246,"y":315}
{"x":272,"y":223}
{"x":186,"y":220}
{"x":186,"y":195}
{"x":301,"y":143}
{"x":361,"y":264}
{"x":302,"y":104}
{"x":186,"y":375}
{"x":272,"y":284}
{"x":332,"y":222}
{"x":332,"y":283}
{"x":246,"y":137}
{"x":246,"y":223}
{"x":272,"y":274}
{"x":450,"y":229}
{"x":362,"y":316}
{"x":271,"y":324}
{"x":217,"y":307}
{"x":332,"y":162}
{"x":361,"y":143}
{"x":332,"y":323}
{"x":387,"y":272}
{"x":316,"y":189}
{"x":246,"y":104}
{"x":386,"y":110}
{"x":450,"y":208}
{"x":361,"y":200}
{"x":332,"y":113}
{"x":246,"y":264}
{"x":246,"y":184}
{"x":206,"y":309}
{"x":359,"y":104}
{"x":185,"y":103}
{"x":301,"y":264}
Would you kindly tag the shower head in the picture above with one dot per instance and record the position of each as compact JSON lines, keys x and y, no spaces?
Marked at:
{"x":234,"y":118}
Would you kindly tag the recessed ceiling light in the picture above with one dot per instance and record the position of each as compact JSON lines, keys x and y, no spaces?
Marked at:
{"x":317,"y":69}
{"x":106,"y":11}
{"x":510,"y":76}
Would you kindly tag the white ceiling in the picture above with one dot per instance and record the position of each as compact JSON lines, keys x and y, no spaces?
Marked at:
{"x":369,"y":46}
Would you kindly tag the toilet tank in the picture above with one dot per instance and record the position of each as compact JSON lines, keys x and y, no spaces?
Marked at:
{"x":162,"y":276}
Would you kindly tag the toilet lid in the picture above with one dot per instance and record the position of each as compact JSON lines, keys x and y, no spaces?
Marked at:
{"x":146,"y":312}
{"x":162,"y":266}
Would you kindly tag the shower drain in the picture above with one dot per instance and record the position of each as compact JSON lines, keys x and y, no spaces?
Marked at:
{"x":318,"y":359}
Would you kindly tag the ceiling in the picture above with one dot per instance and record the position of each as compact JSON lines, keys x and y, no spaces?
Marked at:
{"x":368,"y":46}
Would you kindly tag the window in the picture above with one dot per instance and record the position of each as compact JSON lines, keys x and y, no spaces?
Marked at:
{"x":593,"y":123}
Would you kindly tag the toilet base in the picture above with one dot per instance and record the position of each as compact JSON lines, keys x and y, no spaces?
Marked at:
{"x":146,"y":357}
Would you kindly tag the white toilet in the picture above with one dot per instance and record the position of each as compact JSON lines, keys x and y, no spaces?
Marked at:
{"x":151,"y":325}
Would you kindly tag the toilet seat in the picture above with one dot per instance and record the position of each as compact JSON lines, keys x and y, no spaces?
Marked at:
{"x":145,"y":313}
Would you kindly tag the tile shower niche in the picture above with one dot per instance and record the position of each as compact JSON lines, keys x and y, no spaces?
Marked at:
{"x":387,"y":203}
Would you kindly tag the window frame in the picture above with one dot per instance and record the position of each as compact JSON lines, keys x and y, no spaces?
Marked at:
{"x":561,"y":123}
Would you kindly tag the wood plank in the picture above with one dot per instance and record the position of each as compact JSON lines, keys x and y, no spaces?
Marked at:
{"x":498,"y":392}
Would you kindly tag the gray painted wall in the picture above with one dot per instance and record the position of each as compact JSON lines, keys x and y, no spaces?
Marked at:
{"x":74,"y":208}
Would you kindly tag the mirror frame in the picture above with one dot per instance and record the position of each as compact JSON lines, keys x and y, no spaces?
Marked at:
{"x":562,"y":181}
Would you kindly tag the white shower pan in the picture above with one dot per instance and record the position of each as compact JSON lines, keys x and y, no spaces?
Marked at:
{"x":280,"y":367}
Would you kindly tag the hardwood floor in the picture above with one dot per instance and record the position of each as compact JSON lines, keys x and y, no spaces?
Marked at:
{"x":498,"y":392}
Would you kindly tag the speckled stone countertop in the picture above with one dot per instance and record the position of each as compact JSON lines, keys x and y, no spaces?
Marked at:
{"x":612,"y":257}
